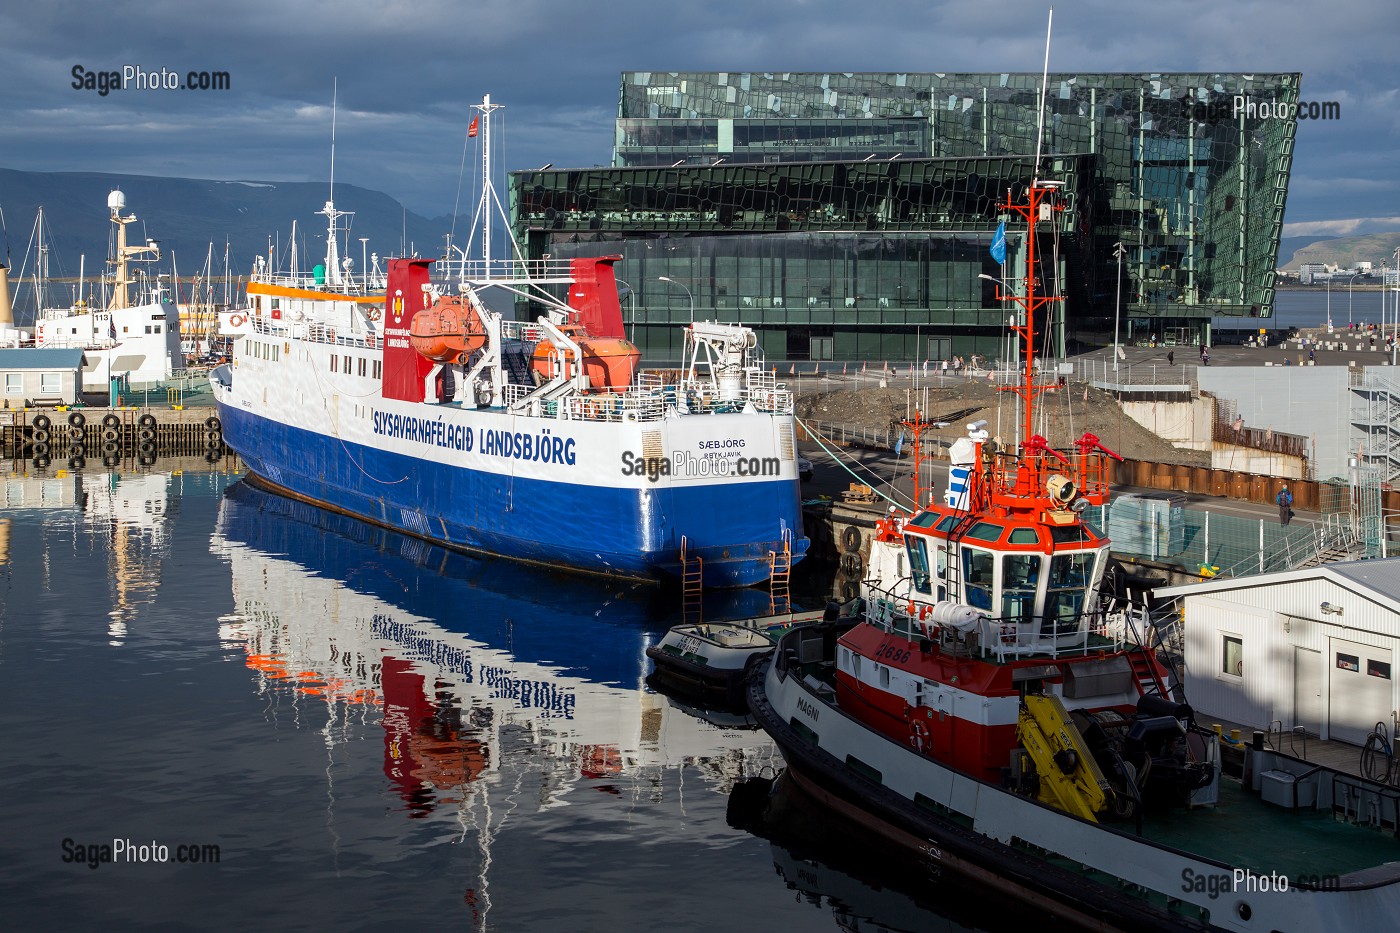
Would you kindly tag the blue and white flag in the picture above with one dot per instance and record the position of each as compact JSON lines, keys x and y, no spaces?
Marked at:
{"x":999,"y":244}
{"x":899,"y":444}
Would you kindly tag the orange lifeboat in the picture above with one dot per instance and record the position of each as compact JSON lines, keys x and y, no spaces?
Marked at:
{"x":609,"y":362}
{"x":448,"y":332}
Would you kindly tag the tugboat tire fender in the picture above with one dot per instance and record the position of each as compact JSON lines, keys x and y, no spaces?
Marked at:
{"x":850,"y":538}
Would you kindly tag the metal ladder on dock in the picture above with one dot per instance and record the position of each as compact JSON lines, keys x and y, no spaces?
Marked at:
{"x":692,"y":585}
{"x":779,"y":572}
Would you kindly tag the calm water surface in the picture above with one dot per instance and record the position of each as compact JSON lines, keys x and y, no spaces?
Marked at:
{"x":374,"y":733}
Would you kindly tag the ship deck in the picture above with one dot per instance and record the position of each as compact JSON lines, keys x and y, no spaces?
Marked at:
{"x":1244,"y":831}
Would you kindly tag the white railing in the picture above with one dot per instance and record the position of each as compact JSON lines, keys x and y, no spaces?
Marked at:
{"x":994,"y":637}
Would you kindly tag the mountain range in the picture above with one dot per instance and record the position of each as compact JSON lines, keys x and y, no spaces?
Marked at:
{"x":187,"y":215}
{"x":1346,"y":252}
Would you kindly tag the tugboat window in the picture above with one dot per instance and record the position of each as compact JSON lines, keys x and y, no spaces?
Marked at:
{"x":1020,"y":574}
{"x":1069,"y":582}
{"x":918,"y":562}
{"x":977,"y":578}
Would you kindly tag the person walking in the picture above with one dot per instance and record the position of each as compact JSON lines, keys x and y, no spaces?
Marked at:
{"x":1285,"y":505}
{"x":1171,"y":357}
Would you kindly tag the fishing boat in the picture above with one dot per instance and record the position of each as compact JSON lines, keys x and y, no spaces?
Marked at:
{"x":434,"y":413}
{"x":136,"y":335}
{"x":708,"y":660}
{"x":990,"y":716}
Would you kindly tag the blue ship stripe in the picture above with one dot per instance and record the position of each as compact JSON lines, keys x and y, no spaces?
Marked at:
{"x":599,"y":529}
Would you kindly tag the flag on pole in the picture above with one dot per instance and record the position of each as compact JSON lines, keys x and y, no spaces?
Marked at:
{"x":792,"y":370}
{"x":471,"y":130}
{"x":999,"y":244}
{"x":112,"y":326}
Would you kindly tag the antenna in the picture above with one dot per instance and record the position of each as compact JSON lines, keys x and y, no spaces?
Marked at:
{"x":1040,"y":113}
{"x":334,"y":88}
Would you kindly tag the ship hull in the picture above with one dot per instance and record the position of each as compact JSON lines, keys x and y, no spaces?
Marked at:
{"x":1018,"y":845}
{"x":608,"y":526}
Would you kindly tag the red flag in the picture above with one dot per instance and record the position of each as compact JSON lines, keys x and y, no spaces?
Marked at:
{"x":471,"y":130}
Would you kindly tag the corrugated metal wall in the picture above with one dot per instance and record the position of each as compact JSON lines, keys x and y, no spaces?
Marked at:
{"x":1308,"y":400}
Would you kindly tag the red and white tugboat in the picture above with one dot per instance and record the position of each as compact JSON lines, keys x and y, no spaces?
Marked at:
{"x":988,"y":716}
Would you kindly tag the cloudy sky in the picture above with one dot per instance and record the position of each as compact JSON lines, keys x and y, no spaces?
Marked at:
{"x":407,"y":72}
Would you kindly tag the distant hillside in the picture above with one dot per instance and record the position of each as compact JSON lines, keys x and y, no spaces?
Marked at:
{"x":185,"y":215}
{"x":1348,"y":251}
{"x":1291,"y":244}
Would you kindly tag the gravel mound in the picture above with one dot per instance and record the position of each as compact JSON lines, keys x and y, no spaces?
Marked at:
{"x":1062,"y":416}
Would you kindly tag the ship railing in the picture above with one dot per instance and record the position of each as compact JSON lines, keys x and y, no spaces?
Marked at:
{"x":1020,"y":476}
{"x":307,"y":281}
{"x":481,"y":272}
{"x":1002,"y":638}
{"x":635,"y":405}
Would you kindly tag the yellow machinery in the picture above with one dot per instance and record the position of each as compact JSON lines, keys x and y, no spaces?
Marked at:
{"x":1069,"y":777}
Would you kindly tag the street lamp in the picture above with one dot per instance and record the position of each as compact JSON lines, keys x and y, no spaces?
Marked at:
{"x":688,"y":295}
{"x":1350,"y":283}
{"x":1118,"y":251}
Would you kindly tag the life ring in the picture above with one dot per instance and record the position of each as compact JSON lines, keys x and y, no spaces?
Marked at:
{"x":147,"y":420}
{"x":77,"y":419}
{"x":41,"y":422}
{"x":372,"y":314}
{"x":237,"y":320}
{"x":851,"y":538}
{"x":110,"y":420}
{"x":330,"y":335}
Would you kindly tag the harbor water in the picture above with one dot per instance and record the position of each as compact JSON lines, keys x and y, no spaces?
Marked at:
{"x":224,"y":709}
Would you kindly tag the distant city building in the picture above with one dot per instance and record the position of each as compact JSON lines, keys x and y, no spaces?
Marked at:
{"x":849,"y":216}
{"x":1313,"y":272}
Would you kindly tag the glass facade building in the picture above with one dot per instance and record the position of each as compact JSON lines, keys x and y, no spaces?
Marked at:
{"x":848,"y":216}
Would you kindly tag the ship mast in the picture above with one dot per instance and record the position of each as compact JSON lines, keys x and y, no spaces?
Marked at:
{"x":1039,"y":203}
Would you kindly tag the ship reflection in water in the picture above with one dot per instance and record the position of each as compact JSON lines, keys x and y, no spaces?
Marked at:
{"x":372,"y":730}
{"x":839,"y":867}
{"x":460,"y":659}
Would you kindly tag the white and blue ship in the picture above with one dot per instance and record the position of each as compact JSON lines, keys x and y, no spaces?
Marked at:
{"x":428,"y":412}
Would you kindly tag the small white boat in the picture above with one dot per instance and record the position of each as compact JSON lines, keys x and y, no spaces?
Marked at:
{"x":708,"y":660}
